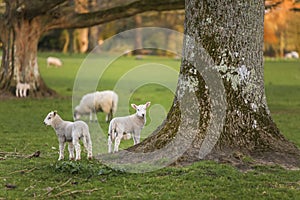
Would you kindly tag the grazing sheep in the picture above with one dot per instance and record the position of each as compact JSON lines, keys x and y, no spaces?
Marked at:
{"x":121,"y":127}
{"x":21,"y":89}
{"x":104,"y":101}
{"x":54,"y":61}
{"x":70,"y":132}
{"x":292,"y":54}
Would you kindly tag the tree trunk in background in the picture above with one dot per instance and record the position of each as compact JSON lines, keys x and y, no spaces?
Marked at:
{"x":82,"y":6}
{"x":138,"y":35}
{"x":82,"y":40}
{"x":93,"y":37}
{"x":281,"y":44}
{"x":94,"y":30}
{"x":20,"y":39}
{"x":223,"y":37}
{"x":71,"y":47}
{"x":67,"y":41}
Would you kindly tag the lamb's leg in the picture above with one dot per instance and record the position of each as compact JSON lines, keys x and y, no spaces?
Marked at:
{"x":24,"y":92}
{"x":77,"y":148}
{"x":61,"y":150}
{"x":87,"y":143}
{"x":109,"y":143}
{"x":71,"y":151}
{"x":91,"y":116}
{"x":117,"y":142}
{"x":95,"y":116}
{"x":17,"y":92}
{"x":90,"y":151}
{"x":108,"y":117}
{"x":136,"y":137}
{"x":21,"y":92}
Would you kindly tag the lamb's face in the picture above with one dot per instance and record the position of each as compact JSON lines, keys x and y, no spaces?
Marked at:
{"x":141,"y":109}
{"x":49,"y":118}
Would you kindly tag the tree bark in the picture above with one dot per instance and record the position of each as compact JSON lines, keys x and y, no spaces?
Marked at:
{"x":229,"y":122}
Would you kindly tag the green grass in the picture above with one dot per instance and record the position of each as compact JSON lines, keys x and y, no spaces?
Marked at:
{"x":23,"y":133}
{"x":282,"y":82}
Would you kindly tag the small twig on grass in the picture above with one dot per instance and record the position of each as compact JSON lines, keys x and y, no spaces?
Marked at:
{"x":65,"y":183}
{"x":69,"y":192}
{"x":22,"y":171}
{"x":19,"y":155}
{"x":13,"y":154}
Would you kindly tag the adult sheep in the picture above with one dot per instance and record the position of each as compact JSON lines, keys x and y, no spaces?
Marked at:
{"x":99,"y":101}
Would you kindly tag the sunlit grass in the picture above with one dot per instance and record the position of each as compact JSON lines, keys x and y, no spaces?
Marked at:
{"x":23,"y":133}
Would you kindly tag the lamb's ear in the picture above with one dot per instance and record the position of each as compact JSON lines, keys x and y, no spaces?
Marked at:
{"x":134,"y":106}
{"x":148,"y":104}
{"x":54,"y":112}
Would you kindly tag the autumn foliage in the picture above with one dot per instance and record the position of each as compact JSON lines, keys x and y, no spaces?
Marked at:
{"x":278,"y":28}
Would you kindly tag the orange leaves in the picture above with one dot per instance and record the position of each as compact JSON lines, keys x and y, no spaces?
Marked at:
{"x":276,"y":17}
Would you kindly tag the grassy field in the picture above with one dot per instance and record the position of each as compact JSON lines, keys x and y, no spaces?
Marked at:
{"x":23,"y":133}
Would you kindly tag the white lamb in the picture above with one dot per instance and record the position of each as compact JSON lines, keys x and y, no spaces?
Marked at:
{"x":54,"y":61}
{"x":122,"y":127}
{"x":104,"y":101}
{"x":21,"y":89}
{"x":70,"y":132}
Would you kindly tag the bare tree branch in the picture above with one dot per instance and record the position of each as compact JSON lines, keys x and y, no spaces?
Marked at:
{"x":32,"y":8}
{"x":36,"y":8}
{"x":269,"y":4}
{"x":70,"y":19}
{"x":28,"y":9}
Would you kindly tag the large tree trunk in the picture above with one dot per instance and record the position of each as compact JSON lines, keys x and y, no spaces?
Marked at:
{"x":19,"y":64}
{"x":220,"y":110}
{"x":231,"y":34}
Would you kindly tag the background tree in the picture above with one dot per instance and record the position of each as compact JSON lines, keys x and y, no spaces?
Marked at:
{"x":23,"y":22}
{"x":280,"y":31}
{"x":224,"y":38}
{"x":93,"y":31}
{"x":81,"y":6}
